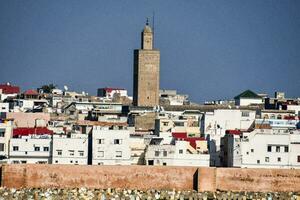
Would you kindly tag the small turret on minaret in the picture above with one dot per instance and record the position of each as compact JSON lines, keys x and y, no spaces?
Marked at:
{"x":147,"y":37}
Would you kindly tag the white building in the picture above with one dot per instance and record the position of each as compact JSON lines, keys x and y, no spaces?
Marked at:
{"x":165,"y":150}
{"x":265,"y":148}
{"x":187,"y":121}
{"x":173,"y":98}
{"x":30,"y":149}
{"x":110,"y":146}
{"x":247,"y":98}
{"x":137,"y":143}
{"x":111,"y":92}
{"x":5,"y":134}
{"x":4,"y":107}
{"x":214,"y":124}
{"x":70,"y":150}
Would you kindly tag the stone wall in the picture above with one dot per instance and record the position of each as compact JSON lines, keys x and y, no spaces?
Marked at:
{"x":70,"y":176}
{"x":151,"y":177}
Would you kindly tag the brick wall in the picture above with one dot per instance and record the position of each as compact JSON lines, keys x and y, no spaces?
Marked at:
{"x":151,"y":177}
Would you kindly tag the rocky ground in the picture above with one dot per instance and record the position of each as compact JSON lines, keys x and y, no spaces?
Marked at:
{"x":120,"y":194}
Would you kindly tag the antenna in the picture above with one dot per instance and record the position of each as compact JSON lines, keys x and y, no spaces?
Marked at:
{"x":153,"y":16}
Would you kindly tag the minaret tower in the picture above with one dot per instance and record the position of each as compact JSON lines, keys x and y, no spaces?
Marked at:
{"x":146,"y":71}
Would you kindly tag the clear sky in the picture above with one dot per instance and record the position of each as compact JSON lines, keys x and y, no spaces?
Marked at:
{"x":210,"y":49}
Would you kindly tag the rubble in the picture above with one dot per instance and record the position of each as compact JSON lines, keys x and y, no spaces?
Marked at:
{"x":129,"y":194}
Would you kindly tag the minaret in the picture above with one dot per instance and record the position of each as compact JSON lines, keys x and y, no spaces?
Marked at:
{"x":146,"y":71}
{"x":147,"y":37}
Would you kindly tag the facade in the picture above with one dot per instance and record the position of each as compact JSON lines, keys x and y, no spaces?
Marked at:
{"x":4,"y":107}
{"x":29,"y":120}
{"x":70,"y":150}
{"x":33,"y":149}
{"x":7,"y":90}
{"x":146,"y":72}
{"x":110,"y":146}
{"x":110,"y":92}
{"x":214,"y":125}
{"x":263,"y":148}
{"x":247,"y":98}
{"x":183,"y":122}
{"x":6,"y":127}
{"x":167,"y":150}
{"x":170,"y":97}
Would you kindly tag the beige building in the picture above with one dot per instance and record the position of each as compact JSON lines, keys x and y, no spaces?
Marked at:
{"x":146,"y":71}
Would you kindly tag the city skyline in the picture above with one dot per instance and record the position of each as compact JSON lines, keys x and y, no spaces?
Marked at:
{"x":208,"y":50}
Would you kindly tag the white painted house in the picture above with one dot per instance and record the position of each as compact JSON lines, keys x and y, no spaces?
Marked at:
{"x":110,"y":146}
{"x":70,"y":150}
{"x":4,"y":107}
{"x":214,"y":124}
{"x":247,"y":98}
{"x":6,"y":127}
{"x":165,"y":150}
{"x":265,"y":148}
{"x":30,"y":149}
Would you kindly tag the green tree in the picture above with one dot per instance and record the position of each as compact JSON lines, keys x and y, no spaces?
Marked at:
{"x":48,"y":88}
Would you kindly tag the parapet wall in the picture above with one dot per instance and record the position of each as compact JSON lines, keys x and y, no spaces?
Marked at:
{"x":70,"y":176}
{"x":150,"y":177}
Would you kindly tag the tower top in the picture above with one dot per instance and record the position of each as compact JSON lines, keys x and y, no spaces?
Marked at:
{"x":147,"y":28}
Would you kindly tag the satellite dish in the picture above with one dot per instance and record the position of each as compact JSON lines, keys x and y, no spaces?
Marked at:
{"x":66,"y":88}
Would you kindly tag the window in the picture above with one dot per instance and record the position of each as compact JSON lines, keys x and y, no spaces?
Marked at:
{"x":59,"y":152}
{"x":245,"y":114}
{"x":164,"y":164}
{"x":117,"y":141}
{"x":71,"y":152}
{"x":165,"y":123}
{"x":2,"y":145}
{"x":180,"y":151}
{"x":298,"y":159}
{"x":269,"y":148}
{"x":118,"y":154}
{"x":71,"y":161}
{"x":267,"y":159}
{"x":156,"y":153}
{"x":81,"y":153}
{"x":15,"y":148}
{"x":56,"y":161}
{"x":277,"y":148}
{"x":101,"y":141}
{"x":23,"y":161}
{"x":286,"y":148}
{"x":258,"y":161}
{"x":100,"y":153}
{"x":247,"y":152}
{"x":2,"y":132}
{"x":15,"y":162}
{"x":36,"y":148}
{"x":165,"y":153}
{"x":279,"y":159}
{"x":100,"y":163}
{"x":252,"y":150}
{"x":46,"y":148}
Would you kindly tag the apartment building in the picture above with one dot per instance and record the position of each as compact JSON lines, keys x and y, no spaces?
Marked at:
{"x":214,"y":124}
{"x":70,"y":150}
{"x":263,"y":148}
{"x":110,"y":145}
{"x":30,"y":149}
{"x":6,"y":127}
{"x":172,"y":151}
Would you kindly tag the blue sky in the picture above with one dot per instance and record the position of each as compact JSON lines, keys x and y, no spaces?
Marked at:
{"x":209,"y":49}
